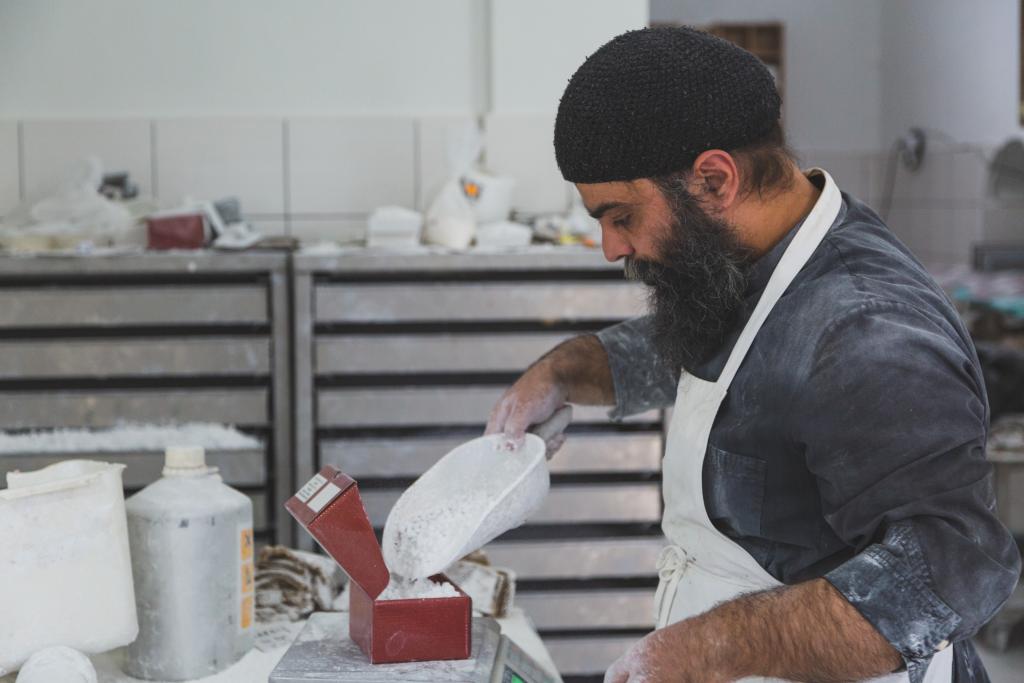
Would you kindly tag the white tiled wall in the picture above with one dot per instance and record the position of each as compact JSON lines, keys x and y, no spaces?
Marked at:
{"x":522,"y":146}
{"x":212,"y":158}
{"x":315,"y":178}
{"x":51,"y":148}
{"x":941,"y":209}
{"x":9,"y":183}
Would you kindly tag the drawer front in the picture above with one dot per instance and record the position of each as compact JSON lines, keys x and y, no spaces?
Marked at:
{"x":428,"y":406}
{"x":96,"y":408}
{"x":434,"y":353}
{"x":134,"y":357}
{"x":592,"y":558}
{"x":138,"y":305}
{"x":539,"y":301}
{"x":237,"y":468}
{"x":407,"y":457}
{"x":565,"y":504}
{"x":589,"y":655}
{"x":625,"y":608}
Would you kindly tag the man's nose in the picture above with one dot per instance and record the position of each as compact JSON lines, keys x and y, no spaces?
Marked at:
{"x":614,"y":246}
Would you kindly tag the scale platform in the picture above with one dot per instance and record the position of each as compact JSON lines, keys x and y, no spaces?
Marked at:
{"x":324,"y":653}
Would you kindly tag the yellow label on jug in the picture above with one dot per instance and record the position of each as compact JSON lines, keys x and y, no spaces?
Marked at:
{"x":247,"y":577}
{"x":246,"y":544}
{"x":247,"y":603}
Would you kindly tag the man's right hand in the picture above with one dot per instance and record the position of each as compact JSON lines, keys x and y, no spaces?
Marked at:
{"x":533,"y":399}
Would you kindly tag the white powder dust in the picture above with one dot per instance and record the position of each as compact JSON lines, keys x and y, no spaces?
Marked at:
{"x":127,"y":437}
{"x":411,"y":589}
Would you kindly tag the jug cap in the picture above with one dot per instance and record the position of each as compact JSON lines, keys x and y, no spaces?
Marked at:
{"x":185,"y":461}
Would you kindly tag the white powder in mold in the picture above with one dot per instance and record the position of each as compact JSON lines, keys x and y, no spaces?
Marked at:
{"x":411,"y":589}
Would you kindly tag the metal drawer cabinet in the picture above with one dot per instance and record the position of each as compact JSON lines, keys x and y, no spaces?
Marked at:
{"x":161,"y":338}
{"x":399,"y":358}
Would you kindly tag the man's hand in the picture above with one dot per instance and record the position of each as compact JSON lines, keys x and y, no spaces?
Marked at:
{"x":532,"y":399}
{"x":668,"y":655}
{"x":575,"y":371}
{"x":804,"y":632}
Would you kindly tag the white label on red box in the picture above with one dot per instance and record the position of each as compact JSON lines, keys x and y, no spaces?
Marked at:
{"x":326,"y":495}
{"x":311,"y":487}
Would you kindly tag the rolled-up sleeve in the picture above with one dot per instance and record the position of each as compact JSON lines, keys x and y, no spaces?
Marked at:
{"x":893,"y":421}
{"x":641,"y":380}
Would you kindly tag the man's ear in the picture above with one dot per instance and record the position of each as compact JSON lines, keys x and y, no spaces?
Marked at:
{"x":716,"y":178}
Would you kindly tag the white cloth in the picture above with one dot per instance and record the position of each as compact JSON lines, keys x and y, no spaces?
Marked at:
{"x":702,"y":566}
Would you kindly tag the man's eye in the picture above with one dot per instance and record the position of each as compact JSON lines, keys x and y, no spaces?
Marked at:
{"x":621,"y":222}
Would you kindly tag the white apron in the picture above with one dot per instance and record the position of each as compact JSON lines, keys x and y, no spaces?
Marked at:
{"x":702,"y":566}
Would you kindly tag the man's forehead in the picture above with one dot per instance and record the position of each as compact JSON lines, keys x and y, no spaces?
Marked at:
{"x":599,"y":198}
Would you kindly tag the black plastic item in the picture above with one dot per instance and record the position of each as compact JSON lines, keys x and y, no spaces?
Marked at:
{"x":1003,"y":368}
{"x":118,"y":186}
{"x":229,"y":209}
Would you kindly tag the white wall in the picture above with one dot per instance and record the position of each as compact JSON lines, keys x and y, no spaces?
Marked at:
{"x":952,"y":66}
{"x":833,"y":66}
{"x":77,"y":58}
{"x":539,"y":44}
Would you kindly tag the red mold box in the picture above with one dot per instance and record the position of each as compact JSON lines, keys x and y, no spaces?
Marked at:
{"x":330,"y":509}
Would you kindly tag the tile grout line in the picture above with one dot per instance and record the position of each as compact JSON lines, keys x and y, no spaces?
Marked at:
{"x":286,"y":187}
{"x":21,"y":161}
{"x":417,"y":181}
{"x":152,"y":160}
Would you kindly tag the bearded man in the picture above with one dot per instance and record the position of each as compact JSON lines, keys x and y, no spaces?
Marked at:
{"x":829,"y":510}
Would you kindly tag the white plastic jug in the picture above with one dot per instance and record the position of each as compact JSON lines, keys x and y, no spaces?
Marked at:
{"x":192,"y":557}
{"x":65,"y":575}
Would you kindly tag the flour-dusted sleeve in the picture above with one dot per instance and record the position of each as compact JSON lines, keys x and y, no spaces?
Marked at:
{"x":893,"y":418}
{"x":641,"y":380}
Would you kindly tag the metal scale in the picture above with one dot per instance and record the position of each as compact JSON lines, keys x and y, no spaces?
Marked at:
{"x":323,"y":652}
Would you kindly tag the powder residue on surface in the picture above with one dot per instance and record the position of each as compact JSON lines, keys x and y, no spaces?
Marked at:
{"x":127,"y":437}
{"x":410,"y":589}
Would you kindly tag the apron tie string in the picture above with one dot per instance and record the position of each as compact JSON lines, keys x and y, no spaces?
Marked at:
{"x":672,"y":563}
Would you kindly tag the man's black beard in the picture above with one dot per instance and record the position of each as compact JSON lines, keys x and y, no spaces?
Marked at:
{"x":697,"y":285}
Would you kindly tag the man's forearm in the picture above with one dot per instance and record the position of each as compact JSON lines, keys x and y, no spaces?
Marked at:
{"x":805,"y":632}
{"x":580,"y":366}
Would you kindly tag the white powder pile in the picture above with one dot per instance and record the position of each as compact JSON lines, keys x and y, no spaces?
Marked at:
{"x":411,"y":589}
{"x":127,"y":437}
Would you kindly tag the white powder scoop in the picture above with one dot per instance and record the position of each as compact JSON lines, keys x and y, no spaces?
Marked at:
{"x":475,"y":493}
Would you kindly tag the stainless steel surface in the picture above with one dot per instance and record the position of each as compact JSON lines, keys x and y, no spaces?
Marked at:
{"x":237,"y":467}
{"x":537,"y":258}
{"x":587,"y":655}
{"x":324,"y":652}
{"x":597,"y":609}
{"x":428,"y":406}
{"x":565,"y":504}
{"x":281,"y":401}
{"x":173,"y":262}
{"x":98,"y":408}
{"x":30,"y":307}
{"x":134,"y":357}
{"x":423,"y":302}
{"x":406,"y":457}
{"x":470,"y":352}
{"x":589,"y":558}
{"x":303,"y":397}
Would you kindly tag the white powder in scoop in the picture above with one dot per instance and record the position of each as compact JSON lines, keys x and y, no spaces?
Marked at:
{"x":409,"y":589}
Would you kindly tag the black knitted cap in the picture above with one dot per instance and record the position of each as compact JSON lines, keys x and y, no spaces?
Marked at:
{"x":648,"y":102}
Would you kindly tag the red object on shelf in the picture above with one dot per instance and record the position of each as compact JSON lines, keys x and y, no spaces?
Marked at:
{"x":330,"y":509}
{"x":181,"y":231}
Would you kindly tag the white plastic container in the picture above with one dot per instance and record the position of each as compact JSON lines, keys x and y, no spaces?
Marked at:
{"x":65,"y":572}
{"x":192,"y":558}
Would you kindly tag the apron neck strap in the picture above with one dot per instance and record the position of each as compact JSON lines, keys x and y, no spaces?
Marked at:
{"x":808,"y":237}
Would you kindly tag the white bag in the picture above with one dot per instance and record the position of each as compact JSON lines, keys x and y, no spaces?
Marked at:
{"x":451,"y":221}
{"x":66,"y":578}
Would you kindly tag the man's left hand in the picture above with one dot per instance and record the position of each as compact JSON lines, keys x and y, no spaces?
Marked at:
{"x":669,"y":655}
